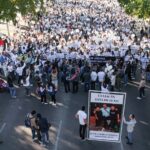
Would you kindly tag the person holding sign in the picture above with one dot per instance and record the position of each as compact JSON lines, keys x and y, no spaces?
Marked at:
{"x":130,"y":128}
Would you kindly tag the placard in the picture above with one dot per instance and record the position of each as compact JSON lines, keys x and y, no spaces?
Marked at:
{"x":105,"y":117}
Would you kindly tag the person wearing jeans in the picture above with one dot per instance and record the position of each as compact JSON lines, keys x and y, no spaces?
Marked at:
{"x":12,"y":92}
{"x":125,"y":79}
{"x":130,"y":128}
{"x":44,"y":128}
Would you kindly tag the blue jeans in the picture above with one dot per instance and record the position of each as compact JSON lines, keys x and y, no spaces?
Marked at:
{"x":27,"y":88}
{"x":148,"y":76}
{"x":12,"y":91}
{"x":130,"y":138}
{"x":125,"y":79}
{"x":43,"y":137}
{"x":47,"y":136}
{"x":100,"y":85}
{"x":33,"y":133}
{"x":86,"y":86}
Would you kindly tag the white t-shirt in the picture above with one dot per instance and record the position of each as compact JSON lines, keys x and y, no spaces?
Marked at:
{"x":93,"y":76}
{"x":101,"y":76}
{"x":82,"y":116}
{"x":104,"y":89}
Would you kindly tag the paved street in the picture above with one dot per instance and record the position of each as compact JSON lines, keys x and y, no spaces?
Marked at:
{"x":64,"y":130}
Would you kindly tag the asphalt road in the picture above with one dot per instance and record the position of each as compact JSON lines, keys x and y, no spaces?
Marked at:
{"x":64,"y":130}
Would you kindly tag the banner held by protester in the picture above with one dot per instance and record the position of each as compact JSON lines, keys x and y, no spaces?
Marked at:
{"x":105,"y":117}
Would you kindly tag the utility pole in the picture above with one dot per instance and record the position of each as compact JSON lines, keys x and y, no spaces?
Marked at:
{"x":8,"y":28}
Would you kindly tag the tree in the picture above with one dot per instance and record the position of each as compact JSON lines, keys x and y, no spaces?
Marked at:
{"x":140,"y":8}
{"x":10,"y":8}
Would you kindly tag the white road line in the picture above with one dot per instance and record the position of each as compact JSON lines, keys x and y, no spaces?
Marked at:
{"x":57,"y":139}
{"x":121,"y":146}
{"x":2,"y":128}
{"x":145,"y":123}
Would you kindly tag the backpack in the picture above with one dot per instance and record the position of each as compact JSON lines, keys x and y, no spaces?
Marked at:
{"x":27,"y":121}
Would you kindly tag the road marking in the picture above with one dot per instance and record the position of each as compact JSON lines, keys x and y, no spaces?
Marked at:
{"x":57,"y":139}
{"x":2,"y":128}
{"x":145,"y":123}
{"x":35,"y":95}
{"x":121,"y":145}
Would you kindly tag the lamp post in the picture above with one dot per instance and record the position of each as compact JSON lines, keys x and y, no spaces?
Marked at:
{"x":8,"y":32}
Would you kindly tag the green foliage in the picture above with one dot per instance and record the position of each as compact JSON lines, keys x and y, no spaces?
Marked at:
{"x":10,"y":8}
{"x":140,"y":8}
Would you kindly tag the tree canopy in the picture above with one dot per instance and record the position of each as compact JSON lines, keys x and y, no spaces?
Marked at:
{"x":140,"y":8}
{"x":10,"y":8}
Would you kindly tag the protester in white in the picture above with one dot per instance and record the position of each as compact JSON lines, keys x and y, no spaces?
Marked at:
{"x":19,"y":72}
{"x":104,"y":88}
{"x":26,"y":84}
{"x":78,"y":31}
{"x":101,"y":77}
{"x":113,"y":81}
{"x":93,"y":79}
{"x":82,"y":116}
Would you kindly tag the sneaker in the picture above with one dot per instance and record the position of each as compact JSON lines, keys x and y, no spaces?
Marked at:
{"x":50,"y":102}
{"x":54,"y":104}
{"x":84,"y":139}
{"x":34,"y":140}
{"x":46,"y":103}
{"x":139,"y":98}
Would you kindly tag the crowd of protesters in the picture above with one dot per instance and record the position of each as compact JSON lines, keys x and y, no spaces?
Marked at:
{"x":60,"y":43}
{"x":57,"y":47}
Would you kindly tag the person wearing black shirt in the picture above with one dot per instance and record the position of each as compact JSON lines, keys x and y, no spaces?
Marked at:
{"x":87,"y":78}
{"x":43,"y":127}
{"x":98,"y":115}
{"x":114,"y":118}
{"x":66,"y":81}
